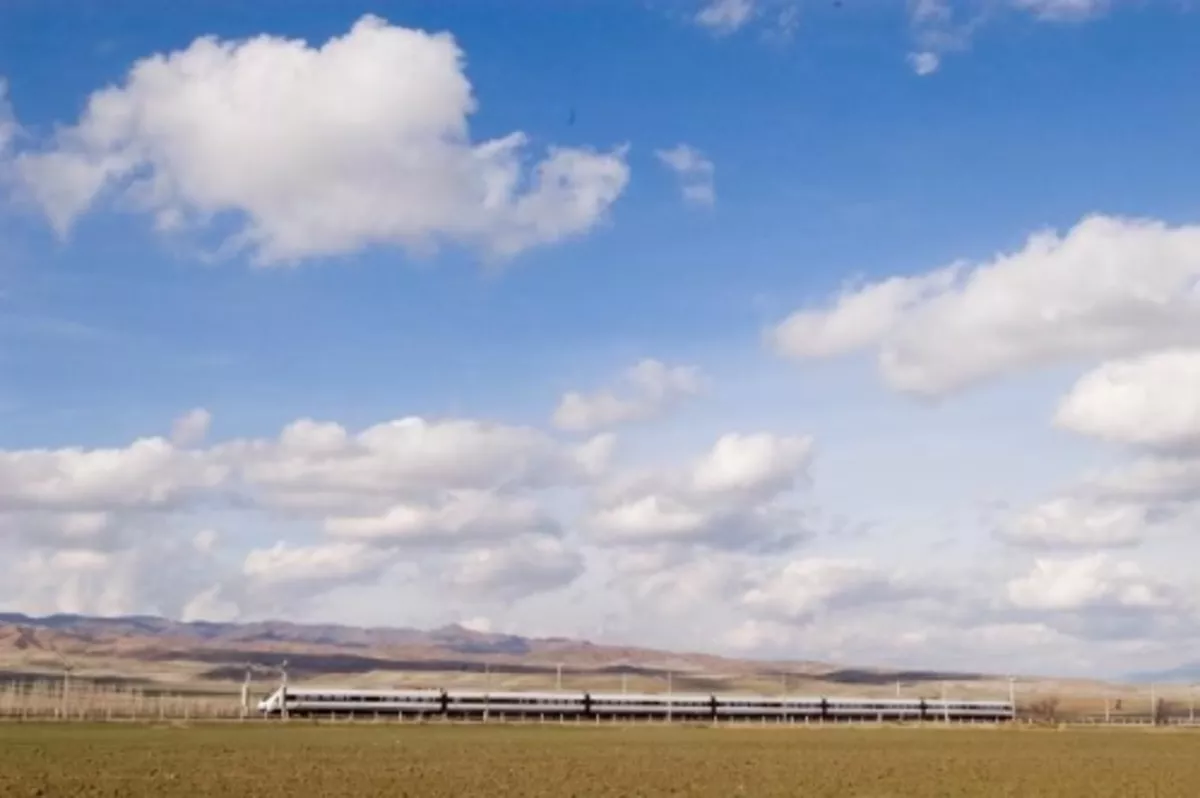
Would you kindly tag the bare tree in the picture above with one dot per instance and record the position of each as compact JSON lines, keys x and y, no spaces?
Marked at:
{"x":1044,"y":709}
{"x":1162,"y":712}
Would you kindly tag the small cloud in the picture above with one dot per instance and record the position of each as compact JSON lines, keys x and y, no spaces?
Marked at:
{"x":725,"y":16}
{"x":1063,"y":10}
{"x":651,"y":388}
{"x":927,"y":10}
{"x":8,"y":120}
{"x":480,"y":624}
{"x":787,"y":22}
{"x":925,"y":63}
{"x":205,"y":540}
{"x":946,"y":26}
{"x":695,"y":173}
{"x":191,"y":428}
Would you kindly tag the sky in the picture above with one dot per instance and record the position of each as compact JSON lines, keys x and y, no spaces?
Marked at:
{"x":855,"y":331}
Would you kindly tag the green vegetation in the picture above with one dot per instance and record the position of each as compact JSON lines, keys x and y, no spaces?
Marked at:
{"x":269,"y":761}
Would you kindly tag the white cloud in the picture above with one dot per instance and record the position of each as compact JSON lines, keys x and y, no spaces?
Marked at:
{"x":752,"y":466}
{"x":860,"y":317}
{"x":453,"y":518}
{"x":1152,"y":400}
{"x":319,"y":150}
{"x":668,"y":582}
{"x":150,"y":473}
{"x":443,"y":486}
{"x":650,"y":388}
{"x":806,"y":588}
{"x":205,"y":541}
{"x":463,"y":515}
{"x":753,"y":637}
{"x":321,"y":466}
{"x":191,"y":428}
{"x":211,"y":606}
{"x":941,"y":26}
{"x":1073,"y":522}
{"x":727,"y":498}
{"x":924,"y":63}
{"x":930,"y":10}
{"x":515,"y":569}
{"x":160,"y":575}
{"x":479,"y":624}
{"x":850,"y":610}
{"x":594,"y":457}
{"x":1090,"y":582}
{"x":1147,"y":402}
{"x":695,"y":173}
{"x":1155,"y":480}
{"x":8,"y":122}
{"x":1108,"y":287}
{"x":1063,"y":10}
{"x":667,"y":519}
{"x":91,"y":529}
{"x":315,"y":566}
{"x":650,"y":517}
{"x":725,"y":16}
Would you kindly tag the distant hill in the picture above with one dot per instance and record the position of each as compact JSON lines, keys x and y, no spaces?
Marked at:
{"x":1188,"y":673}
{"x":147,"y":648}
{"x":336,"y":647}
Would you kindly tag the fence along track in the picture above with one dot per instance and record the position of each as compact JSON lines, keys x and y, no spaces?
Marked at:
{"x":84,"y":701}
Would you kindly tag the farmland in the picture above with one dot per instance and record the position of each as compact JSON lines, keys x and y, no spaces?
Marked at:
{"x":67,"y":760}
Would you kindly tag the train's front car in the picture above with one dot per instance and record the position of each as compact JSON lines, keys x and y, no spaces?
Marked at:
{"x":272,"y":704}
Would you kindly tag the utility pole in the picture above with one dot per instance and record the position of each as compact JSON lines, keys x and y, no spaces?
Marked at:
{"x":246,"y":692}
{"x":670,"y":692}
{"x":283,"y":675}
{"x":1012,"y":693}
{"x":66,"y":691}
{"x":1153,"y":707}
{"x":65,"y":698}
{"x":945,"y":706}
{"x":558,"y":678}
{"x":897,"y":688}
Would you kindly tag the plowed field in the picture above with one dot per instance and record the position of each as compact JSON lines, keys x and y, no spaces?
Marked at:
{"x":452,"y":762}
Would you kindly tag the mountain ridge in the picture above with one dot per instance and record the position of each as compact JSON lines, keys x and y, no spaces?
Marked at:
{"x":220,"y":650}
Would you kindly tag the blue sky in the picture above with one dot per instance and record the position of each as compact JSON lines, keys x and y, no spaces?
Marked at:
{"x":912,"y":441}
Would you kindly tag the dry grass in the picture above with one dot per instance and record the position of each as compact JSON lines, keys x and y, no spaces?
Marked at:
{"x":327,"y":762}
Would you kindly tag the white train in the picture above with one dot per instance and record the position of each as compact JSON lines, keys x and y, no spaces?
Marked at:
{"x":664,"y":706}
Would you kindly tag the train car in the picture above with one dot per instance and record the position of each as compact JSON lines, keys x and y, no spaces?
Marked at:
{"x":331,"y":700}
{"x":480,"y":702}
{"x":751,"y":706}
{"x":978,"y":711}
{"x":877,"y":709}
{"x":650,"y":705}
{"x":631,"y":706}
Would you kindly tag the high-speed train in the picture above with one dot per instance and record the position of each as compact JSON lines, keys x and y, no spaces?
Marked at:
{"x":628,"y":706}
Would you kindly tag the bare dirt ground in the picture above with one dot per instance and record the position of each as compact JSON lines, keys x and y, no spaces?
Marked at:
{"x":267,"y":760}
